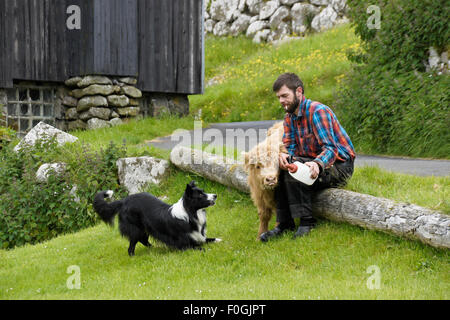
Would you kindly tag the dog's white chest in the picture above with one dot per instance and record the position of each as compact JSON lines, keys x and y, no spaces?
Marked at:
{"x":199,"y":235}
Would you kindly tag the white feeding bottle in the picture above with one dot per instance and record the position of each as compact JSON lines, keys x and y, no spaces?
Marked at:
{"x":301,"y":172}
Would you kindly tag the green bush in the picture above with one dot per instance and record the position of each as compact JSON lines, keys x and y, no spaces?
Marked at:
{"x":387,"y":103}
{"x":31,"y":211}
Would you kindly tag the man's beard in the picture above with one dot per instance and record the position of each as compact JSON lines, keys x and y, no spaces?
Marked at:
{"x":293,"y":106}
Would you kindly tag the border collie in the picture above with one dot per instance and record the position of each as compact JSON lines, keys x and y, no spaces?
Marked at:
{"x":181,"y":225}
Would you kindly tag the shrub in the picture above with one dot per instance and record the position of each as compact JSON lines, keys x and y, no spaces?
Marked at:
{"x":387,"y":103}
{"x":32,"y":212}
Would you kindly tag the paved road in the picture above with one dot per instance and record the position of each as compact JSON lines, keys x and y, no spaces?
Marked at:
{"x":244,"y":135}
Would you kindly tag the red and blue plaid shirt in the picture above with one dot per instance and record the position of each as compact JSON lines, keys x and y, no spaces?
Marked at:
{"x":315,"y":132}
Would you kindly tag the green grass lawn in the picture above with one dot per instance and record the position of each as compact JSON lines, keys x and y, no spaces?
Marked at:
{"x":331,"y":263}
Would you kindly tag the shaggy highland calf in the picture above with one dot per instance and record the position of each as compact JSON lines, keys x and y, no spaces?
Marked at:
{"x":261,"y":164}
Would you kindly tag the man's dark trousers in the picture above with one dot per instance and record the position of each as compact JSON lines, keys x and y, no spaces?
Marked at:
{"x":294,"y":198}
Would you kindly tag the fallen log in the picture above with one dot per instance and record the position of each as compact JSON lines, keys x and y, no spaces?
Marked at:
{"x":402,"y":219}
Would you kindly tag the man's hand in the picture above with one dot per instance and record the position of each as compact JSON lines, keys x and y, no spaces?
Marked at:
{"x":283,"y":160}
{"x":314,"y":169}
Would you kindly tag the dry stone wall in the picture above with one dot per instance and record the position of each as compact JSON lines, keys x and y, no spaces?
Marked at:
{"x":272,"y":20}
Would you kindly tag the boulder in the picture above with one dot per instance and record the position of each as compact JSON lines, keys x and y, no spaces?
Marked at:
{"x":131,"y":91}
{"x":324,"y":20}
{"x":91,"y":101}
{"x":261,"y":36}
{"x":96,"y":123}
{"x":240,"y":25}
{"x":267,"y":9}
{"x":45,"y":170}
{"x":95,"y":89}
{"x":254,"y":6}
{"x":279,"y":15}
{"x":300,"y":13}
{"x":128,"y":111}
{"x":118,"y":100}
{"x":223,"y":10}
{"x":43,"y":131}
{"x":88,"y":80}
{"x":136,"y":173}
{"x":94,"y":112}
{"x":221,"y":29}
{"x":255,"y":27}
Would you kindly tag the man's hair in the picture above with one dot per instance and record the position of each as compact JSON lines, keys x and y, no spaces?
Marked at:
{"x":290,"y":80}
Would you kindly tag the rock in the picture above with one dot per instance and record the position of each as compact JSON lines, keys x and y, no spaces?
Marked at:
{"x":72,"y":82}
{"x":91,"y":101}
{"x":434,"y":58}
{"x":130,"y":91}
{"x":240,"y":25}
{"x":128,"y":80}
{"x":96,"y":123}
{"x":279,"y":33}
{"x":324,"y":20}
{"x":72,"y":114}
{"x":288,"y":2}
{"x":69,"y":101}
{"x":77,"y":125}
{"x":339,"y":6}
{"x":267,"y":9}
{"x":115,"y":122}
{"x":261,"y":36}
{"x":209,"y":25}
{"x":221,"y":29}
{"x":279,"y":15}
{"x":136,"y":173}
{"x":320,"y":2}
{"x":88,"y":80}
{"x":255,"y":27}
{"x":43,"y":131}
{"x":179,"y":105}
{"x":45,"y":170}
{"x":254,"y":6}
{"x":301,"y":14}
{"x":222,"y":10}
{"x":94,"y":112}
{"x":118,"y":101}
{"x":94,"y":89}
{"x":128,"y":111}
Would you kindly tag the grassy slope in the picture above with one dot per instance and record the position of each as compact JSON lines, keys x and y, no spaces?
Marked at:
{"x":244,"y":73}
{"x":331,"y":263}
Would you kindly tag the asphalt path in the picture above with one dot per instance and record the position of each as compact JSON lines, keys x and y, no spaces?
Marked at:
{"x":244,"y":135}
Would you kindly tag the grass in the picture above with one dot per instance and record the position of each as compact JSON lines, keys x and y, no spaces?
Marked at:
{"x":331,"y":263}
{"x":244,"y":73}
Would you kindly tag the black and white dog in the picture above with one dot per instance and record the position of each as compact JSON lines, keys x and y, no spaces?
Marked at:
{"x":181,"y":225}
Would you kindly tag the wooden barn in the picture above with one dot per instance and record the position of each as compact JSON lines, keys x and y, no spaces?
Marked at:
{"x":60,"y":60}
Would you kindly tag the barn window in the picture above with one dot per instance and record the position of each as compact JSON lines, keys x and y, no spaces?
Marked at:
{"x":29,"y":105}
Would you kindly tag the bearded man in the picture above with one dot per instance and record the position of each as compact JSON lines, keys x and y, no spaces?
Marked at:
{"x":314,"y":136}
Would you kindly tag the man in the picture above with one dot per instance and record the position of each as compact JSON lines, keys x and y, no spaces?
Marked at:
{"x":312,"y":135}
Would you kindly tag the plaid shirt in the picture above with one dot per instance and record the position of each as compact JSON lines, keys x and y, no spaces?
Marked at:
{"x":315,"y":132}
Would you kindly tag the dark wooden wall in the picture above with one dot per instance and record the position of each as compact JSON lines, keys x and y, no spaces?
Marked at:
{"x":158,"y":41}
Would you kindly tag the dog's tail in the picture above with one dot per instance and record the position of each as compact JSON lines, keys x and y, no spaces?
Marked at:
{"x":105,"y":210}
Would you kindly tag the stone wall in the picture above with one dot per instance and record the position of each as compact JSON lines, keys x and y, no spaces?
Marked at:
{"x":87,"y":102}
{"x":272,"y":20}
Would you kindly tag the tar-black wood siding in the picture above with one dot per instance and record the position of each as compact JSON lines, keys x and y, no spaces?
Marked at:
{"x":158,"y":41}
